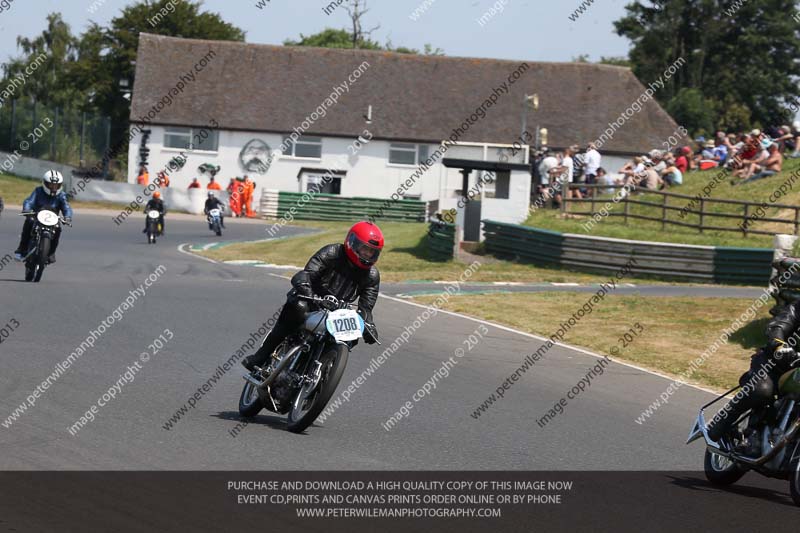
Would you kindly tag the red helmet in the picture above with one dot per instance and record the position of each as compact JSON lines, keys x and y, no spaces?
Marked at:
{"x":363,"y":244}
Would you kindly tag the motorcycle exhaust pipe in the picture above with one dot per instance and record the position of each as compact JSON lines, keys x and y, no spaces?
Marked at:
{"x":288,"y":358}
{"x":780,"y":445}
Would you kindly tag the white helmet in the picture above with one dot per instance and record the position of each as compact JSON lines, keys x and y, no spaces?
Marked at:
{"x":796,"y":125}
{"x":52,"y":181}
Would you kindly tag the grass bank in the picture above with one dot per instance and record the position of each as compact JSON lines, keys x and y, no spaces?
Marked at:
{"x":694,"y":182}
{"x":404,"y":258}
{"x":674,"y":330}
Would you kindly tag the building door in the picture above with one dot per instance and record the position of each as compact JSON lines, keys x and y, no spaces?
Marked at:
{"x":472,"y":221}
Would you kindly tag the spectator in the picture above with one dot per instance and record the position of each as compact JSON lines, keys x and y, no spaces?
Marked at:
{"x":547,"y":176}
{"x":671,"y":176}
{"x":567,"y":171}
{"x":682,"y":159}
{"x":769,"y":167}
{"x":593,"y":161}
{"x":194,"y":184}
{"x":143,"y":178}
{"x":751,"y":166}
{"x":213,"y":185}
{"x":631,"y":171}
{"x":605,"y":180}
{"x":650,"y":179}
{"x":162,"y":180}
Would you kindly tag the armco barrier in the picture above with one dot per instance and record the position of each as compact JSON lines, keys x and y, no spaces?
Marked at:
{"x":665,"y":260}
{"x":440,"y":241}
{"x":307,"y":206}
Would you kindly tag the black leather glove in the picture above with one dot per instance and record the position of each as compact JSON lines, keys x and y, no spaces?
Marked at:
{"x":775,"y":343}
{"x":370,"y":333}
{"x":304,"y":289}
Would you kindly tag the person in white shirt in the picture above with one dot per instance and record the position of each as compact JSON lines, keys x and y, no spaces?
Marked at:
{"x":567,"y":169}
{"x":593,"y":161}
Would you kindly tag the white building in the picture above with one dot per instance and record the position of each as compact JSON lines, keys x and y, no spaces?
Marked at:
{"x":232,"y":104}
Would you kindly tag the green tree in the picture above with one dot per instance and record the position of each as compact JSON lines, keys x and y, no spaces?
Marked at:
{"x":690,"y":109}
{"x":121,"y":39}
{"x":740,"y":54}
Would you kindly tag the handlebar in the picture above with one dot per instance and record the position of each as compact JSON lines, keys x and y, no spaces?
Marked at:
{"x":329,"y":302}
{"x":61,"y":218}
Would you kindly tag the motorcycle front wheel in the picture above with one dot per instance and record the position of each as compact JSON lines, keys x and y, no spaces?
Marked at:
{"x":249,"y":402}
{"x":42,"y":258}
{"x":794,"y":474}
{"x":313,"y":398}
{"x":720,"y":470}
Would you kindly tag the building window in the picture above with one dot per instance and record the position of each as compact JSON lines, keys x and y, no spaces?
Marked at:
{"x":497,"y":185}
{"x":407,"y":154}
{"x":204,"y":139}
{"x":317,"y":184}
{"x":306,"y":147}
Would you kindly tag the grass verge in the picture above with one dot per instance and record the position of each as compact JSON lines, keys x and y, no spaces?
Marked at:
{"x":675,"y":330}
{"x":403,"y":259}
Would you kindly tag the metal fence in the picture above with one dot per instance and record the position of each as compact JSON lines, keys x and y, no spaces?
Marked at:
{"x":63,"y":135}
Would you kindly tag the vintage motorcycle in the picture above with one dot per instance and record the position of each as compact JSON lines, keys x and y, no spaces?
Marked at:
{"x":306,"y":368}
{"x":153,"y":225}
{"x":779,"y":429}
{"x":215,"y":221}
{"x":45,"y":226}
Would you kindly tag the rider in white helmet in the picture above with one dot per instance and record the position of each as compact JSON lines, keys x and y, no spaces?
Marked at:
{"x":48,"y":196}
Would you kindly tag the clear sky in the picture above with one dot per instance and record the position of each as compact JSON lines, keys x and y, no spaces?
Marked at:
{"x":537,"y":30}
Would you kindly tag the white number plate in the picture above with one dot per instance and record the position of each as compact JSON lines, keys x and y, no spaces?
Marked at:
{"x":345,"y":325}
{"x":153,"y":214}
{"x":214,"y":212}
{"x":47,"y":218}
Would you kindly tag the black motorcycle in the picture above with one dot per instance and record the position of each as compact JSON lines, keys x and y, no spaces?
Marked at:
{"x":306,"y":368}
{"x":153,"y":228}
{"x":45,"y":226}
{"x":779,"y":430}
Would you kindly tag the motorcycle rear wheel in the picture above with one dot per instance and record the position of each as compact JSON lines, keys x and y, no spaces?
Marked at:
{"x":308,"y":404}
{"x":720,"y":470}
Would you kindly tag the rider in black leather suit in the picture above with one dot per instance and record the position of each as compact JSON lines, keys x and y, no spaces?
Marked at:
{"x":760,"y":383}
{"x":346,"y":271}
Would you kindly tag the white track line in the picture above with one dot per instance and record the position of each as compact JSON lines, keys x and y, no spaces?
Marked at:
{"x":563,"y":345}
{"x":181,"y":250}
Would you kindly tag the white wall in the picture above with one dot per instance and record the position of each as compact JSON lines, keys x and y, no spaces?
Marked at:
{"x":368,"y":172}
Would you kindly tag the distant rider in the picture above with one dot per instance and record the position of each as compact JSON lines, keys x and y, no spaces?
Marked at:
{"x":346,"y":271}
{"x":155,"y":204}
{"x":48,"y":196}
{"x":212,"y":202}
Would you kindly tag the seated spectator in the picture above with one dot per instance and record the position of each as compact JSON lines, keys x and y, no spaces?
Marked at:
{"x":631,"y":170}
{"x":650,"y":178}
{"x":708,"y":157}
{"x":769,"y":167}
{"x":213,"y":185}
{"x":671,"y":176}
{"x":682,"y":158}
{"x":751,"y":166}
{"x":194,"y":184}
{"x":720,"y":152}
{"x":605,"y":180}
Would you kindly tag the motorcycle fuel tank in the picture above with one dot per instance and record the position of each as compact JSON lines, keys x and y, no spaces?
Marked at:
{"x":790,"y":382}
{"x":315,"y":323}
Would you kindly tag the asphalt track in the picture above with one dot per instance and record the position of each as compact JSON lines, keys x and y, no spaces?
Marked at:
{"x":212,"y":308}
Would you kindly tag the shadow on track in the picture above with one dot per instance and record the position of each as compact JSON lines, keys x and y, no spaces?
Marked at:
{"x":702,"y":485}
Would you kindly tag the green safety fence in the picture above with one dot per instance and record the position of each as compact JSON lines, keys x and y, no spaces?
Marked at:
{"x":334,"y":207}
{"x":440,"y":241}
